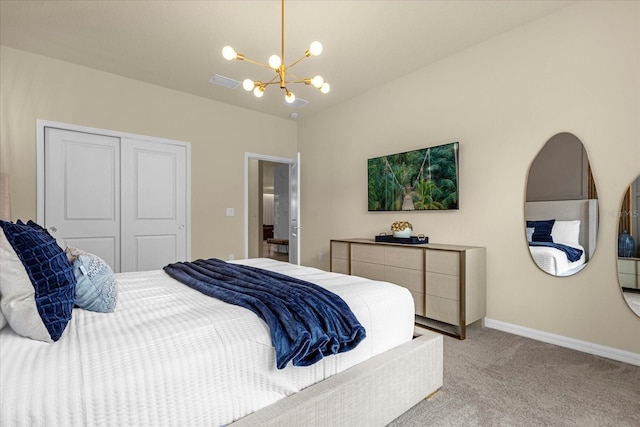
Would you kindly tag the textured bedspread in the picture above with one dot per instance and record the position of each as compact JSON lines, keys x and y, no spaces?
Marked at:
{"x":307,"y":322}
{"x":555,"y":261}
{"x":572,"y":254}
{"x":170,"y":356}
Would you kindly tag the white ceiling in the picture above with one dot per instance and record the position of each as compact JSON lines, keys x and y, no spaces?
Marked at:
{"x":177,"y":44}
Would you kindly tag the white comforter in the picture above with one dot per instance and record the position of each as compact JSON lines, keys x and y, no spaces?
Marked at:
{"x":555,"y":261}
{"x":170,"y":356}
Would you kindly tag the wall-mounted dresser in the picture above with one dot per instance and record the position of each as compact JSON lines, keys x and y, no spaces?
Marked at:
{"x":447,"y":282}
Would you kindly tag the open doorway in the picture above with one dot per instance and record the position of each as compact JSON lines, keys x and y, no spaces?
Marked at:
{"x":272,"y":207}
{"x":275,"y":210}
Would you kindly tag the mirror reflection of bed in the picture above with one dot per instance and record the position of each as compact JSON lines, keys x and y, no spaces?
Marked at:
{"x":629,"y":253}
{"x":561,"y":209}
{"x":573,"y":225}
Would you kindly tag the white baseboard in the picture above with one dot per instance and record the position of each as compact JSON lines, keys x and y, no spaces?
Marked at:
{"x":574,"y":344}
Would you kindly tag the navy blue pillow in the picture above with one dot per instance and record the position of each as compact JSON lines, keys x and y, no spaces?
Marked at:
{"x":50,"y":275}
{"x":541,"y":230}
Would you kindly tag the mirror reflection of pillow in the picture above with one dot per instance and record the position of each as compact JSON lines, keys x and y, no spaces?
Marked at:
{"x":96,"y":287}
{"x":566,"y":232}
{"x":541,"y":230}
{"x":530,"y":231}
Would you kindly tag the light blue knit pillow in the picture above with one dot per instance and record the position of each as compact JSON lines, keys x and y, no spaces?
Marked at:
{"x":96,"y":287}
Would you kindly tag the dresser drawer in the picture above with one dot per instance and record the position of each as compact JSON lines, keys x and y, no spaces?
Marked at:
{"x":443,"y":285}
{"x":403,"y":257}
{"x":368,"y":270}
{"x":410,"y":279}
{"x":367,"y":253}
{"x":339,"y":265}
{"x":627,"y":280}
{"x":418,"y":302}
{"x":445,"y":262}
{"x":443,"y":309}
{"x":627,"y":266}
{"x":340,"y":250}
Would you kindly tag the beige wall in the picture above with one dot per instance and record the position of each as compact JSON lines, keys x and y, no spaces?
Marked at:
{"x":578,"y":71}
{"x":35,"y":87}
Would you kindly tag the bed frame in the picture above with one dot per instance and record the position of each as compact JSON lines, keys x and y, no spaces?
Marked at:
{"x":566,"y":210}
{"x":372,"y":393}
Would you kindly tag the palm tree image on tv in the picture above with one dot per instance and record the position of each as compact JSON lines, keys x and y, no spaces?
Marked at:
{"x":425,"y":179}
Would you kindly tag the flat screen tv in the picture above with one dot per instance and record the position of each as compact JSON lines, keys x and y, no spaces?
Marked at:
{"x":419,"y":180}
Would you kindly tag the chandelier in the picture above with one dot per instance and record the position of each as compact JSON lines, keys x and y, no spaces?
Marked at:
{"x":277,"y":64}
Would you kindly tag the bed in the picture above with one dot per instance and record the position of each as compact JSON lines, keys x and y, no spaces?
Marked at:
{"x":170,"y":356}
{"x":562,"y":234}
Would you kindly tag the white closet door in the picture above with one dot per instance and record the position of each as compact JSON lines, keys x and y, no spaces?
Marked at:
{"x":82,"y":191}
{"x":154,"y":200}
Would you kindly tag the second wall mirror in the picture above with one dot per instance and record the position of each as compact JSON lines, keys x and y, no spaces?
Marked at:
{"x":628,"y":251}
{"x":561,"y":208}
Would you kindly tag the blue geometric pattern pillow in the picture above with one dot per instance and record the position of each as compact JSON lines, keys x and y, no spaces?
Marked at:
{"x":541,"y":230}
{"x":36,"y":281}
{"x":96,"y":287}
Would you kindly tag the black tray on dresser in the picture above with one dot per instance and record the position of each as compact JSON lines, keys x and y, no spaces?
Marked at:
{"x":412,"y":240}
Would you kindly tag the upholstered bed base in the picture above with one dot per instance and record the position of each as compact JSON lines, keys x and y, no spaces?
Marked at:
{"x":372,"y":393}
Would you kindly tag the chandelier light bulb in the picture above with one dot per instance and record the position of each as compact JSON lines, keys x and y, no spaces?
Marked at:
{"x":258,"y":91}
{"x":316,"y":48}
{"x":228,"y":53}
{"x":325,"y":88}
{"x":275,"y":62}
{"x":289,"y":97}
{"x":317,"y":81}
{"x":247,"y":84}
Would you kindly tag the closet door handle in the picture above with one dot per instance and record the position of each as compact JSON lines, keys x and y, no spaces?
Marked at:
{"x":53,"y":229}
{"x":181,"y":227}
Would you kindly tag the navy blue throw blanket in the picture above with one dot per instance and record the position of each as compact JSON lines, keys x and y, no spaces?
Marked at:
{"x":307,"y":322}
{"x":573,"y":254}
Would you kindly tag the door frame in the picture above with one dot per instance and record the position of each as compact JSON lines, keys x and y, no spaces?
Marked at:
{"x":267,"y":158}
{"x":40,"y":136}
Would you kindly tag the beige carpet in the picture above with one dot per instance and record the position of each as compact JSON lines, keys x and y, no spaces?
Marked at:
{"x":498,"y":379}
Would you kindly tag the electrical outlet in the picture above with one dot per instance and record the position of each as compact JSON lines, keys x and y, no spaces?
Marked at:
{"x":320,"y":256}
{"x":231,"y":257}
{"x":230,"y":212}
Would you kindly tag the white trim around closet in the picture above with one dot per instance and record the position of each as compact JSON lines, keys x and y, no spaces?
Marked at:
{"x":40,"y":131}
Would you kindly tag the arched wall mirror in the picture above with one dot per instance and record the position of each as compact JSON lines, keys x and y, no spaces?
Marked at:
{"x":561,"y":208}
{"x":628,"y":250}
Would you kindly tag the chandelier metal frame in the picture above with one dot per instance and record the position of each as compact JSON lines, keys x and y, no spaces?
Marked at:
{"x":277,"y":64}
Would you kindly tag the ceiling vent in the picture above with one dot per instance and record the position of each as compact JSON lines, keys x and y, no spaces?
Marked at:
{"x":299,"y":102}
{"x":223,"y":81}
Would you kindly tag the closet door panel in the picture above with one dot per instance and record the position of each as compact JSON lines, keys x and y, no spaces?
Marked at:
{"x":153,"y":204}
{"x":154,"y":252}
{"x":82,"y":191}
{"x":155,"y":185}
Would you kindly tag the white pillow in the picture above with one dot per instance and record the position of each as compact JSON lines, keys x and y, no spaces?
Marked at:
{"x":566,"y":232}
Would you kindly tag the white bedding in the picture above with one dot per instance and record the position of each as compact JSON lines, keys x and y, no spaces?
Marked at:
{"x":555,"y":261}
{"x":170,"y":356}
